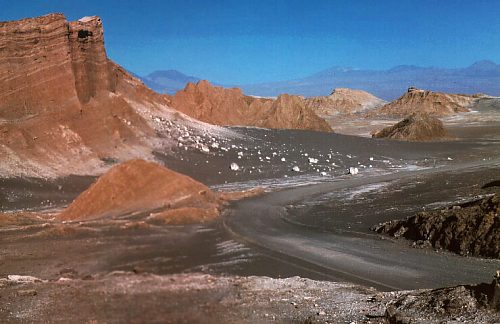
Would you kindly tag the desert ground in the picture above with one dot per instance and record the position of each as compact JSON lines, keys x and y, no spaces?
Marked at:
{"x":308,"y":224}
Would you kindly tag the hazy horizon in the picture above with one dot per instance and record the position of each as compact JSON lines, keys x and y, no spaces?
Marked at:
{"x":347,"y":68}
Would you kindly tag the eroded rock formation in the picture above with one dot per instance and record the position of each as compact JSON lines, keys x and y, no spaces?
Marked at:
{"x":468,"y":229}
{"x":344,"y":101}
{"x":421,"y":101}
{"x":220,"y":106}
{"x":64,"y":106}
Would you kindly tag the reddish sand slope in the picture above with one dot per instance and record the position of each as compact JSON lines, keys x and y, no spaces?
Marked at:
{"x":416,"y":127}
{"x":140,"y":186}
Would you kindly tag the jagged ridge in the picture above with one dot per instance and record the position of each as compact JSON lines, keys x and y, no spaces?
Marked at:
{"x":220,"y":106}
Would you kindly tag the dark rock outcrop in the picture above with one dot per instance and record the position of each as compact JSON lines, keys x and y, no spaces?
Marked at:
{"x":475,"y":303}
{"x":468,"y":229}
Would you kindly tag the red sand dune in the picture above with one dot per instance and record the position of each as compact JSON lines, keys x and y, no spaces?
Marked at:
{"x":141,"y":186}
{"x":417,"y":127}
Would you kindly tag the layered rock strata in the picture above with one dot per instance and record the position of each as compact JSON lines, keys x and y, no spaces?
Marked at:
{"x":64,"y":106}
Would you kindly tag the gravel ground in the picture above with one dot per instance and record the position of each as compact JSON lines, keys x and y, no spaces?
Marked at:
{"x":120,"y":297}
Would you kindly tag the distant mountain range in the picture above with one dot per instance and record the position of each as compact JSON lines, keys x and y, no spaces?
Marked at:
{"x":480,"y":77}
{"x":169,"y":81}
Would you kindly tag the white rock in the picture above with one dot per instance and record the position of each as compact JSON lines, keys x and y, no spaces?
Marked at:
{"x":313,"y":160}
{"x":215,"y":145}
{"x":205,"y":149}
{"x":240,"y":153}
{"x":371,"y":158}
{"x":353,"y":170}
{"x":283,"y":159}
{"x":323,"y":173}
{"x":235,"y":167}
{"x":296,"y":169}
{"x":23,"y":279}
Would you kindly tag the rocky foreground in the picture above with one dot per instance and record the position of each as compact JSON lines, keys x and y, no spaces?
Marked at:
{"x":202,"y":298}
{"x":468,"y":229}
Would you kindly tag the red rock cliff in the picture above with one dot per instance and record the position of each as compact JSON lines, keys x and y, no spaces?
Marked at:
{"x":63,"y":105}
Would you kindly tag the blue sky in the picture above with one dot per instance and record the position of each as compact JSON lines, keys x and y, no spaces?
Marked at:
{"x":249,"y":41}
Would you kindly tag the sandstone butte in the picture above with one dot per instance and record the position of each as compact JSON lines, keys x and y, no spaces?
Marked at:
{"x":421,"y":101}
{"x":417,"y":127}
{"x":145,"y":187}
{"x":221,"y":106}
{"x":65,"y":107}
{"x":345,"y":102}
